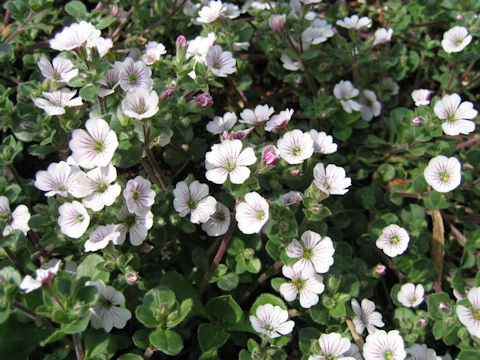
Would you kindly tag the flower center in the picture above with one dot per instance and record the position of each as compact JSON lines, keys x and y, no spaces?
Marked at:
{"x":219,"y":216}
{"x":105,"y":303}
{"x":413,"y":300}
{"x":62,"y":188}
{"x":130,"y":220}
{"x":268,"y":327}
{"x":56,"y":75}
{"x":307,"y":254}
{"x":136,"y":196}
{"x":79,"y":218}
{"x":458,"y":42}
{"x":260,"y":215}
{"x":394,"y":240}
{"x":216,"y":65}
{"x":299,"y":284}
{"x":231,"y":165}
{"x":101,"y":187}
{"x":7,"y":218}
{"x":296,"y":151}
{"x":476,"y":314}
{"x":98,"y":146}
{"x":388,"y":355}
{"x":191,"y":204}
{"x":132,"y":79}
{"x":444,"y":176}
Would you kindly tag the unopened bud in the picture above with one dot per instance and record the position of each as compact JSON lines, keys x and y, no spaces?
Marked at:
{"x":225,"y":135}
{"x":422,"y":322}
{"x":294,"y":172}
{"x":460,"y":17}
{"x":379,"y":270}
{"x":270,"y":156}
{"x":277,"y":23}
{"x":168,"y":94}
{"x":205,"y":99}
{"x":181,"y":41}
{"x":443,"y":307}
{"x":417,"y":121}
{"x":131,"y":278}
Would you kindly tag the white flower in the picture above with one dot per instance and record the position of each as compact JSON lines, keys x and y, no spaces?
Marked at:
{"x":60,"y":70}
{"x":73,"y":220}
{"x":100,"y":237}
{"x":194,"y":199}
{"x":102,"y":46}
{"x":221,"y":63}
{"x":279,"y":121}
{"x":137,"y":226}
{"x":210,"y":12}
{"x":231,"y":10}
{"x":421,"y":352}
{"x":354,"y":352}
{"x":371,"y":107}
{"x":455,"y":115}
{"x":272,"y":321}
{"x":198,"y":48}
{"x":366,"y":317}
{"x":74,"y":36}
{"x":61,"y":179}
{"x":140,"y":103}
{"x":42,"y":277}
{"x":390,"y":86}
{"x":228,"y":160}
{"x":289,"y":64}
{"x":344,"y":91}
{"x":393,"y":240}
{"x":153,"y":52}
{"x":252,"y":213}
{"x":277,"y":22}
{"x":355,"y":23}
{"x":314,"y":253}
{"x":318,"y":31}
{"x":219,"y":222}
{"x":469,"y":316}
{"x":322,"y":143}
{"x":309,"y":287}
{"x":382,"y":346}
{"x":105,"y":313}
{"x":220,"y":124}
{"x":411,"y":295}
{"x":295,"y":146}
{"x":260,"y":115}
{"x":456,"y":39}
{"x":291,"y":198}
{"x":110,"y":80}
{"x":56,"y":101}
{"x":332,"y":180}
{"x":103,"y":192}
{"x":139,"y":195}
{"x":443,"y":174}
{"x":135,"y":74}
{"x":421,"y":96}
{"x":382,"y":36}
{"x":17,"y":220}
{"x":333,"y":347}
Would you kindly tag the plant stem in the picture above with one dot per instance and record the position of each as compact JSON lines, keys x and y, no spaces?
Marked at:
{"x":14,"y":260}
{"x":117,"y":31}
{"x":101,"y":105}
{"x":356,"y":337}
{"x":402,"y":278}
{"x":265,"y":276}
{"x":467,"y":143}
{"x":78,"y":346}
{"x":20,"y":28}
{"x":152,"y":160}
{"x":151,"y":173}
{"x":453,"y":72}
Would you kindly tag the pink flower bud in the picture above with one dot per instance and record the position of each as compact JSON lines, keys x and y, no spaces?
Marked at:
{"x":225,"y":135}
{"x":114,"y":11}
{"x":131,"y":278}
{"x":181,"y":41}
{"x":269,"y":155}
{"x":380,"y":270}
{"x":294,"y":172}
{"x":443,"y":307}
{"x":277,"y":23}
{"x":460,"y":17}
{"x":98,"y":7}
{"x":422,"y":322}
{"x":168,"y":94}
{"x":205,"y":99}
{"x":417,"y":121}
{"x":240,"y":134}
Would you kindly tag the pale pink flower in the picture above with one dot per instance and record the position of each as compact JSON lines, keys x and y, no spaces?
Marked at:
{"x":366,"y":317}
{"x":371,"y":107}
{"x":411,"y":295}
{"x":94,"y":147}
{"x":443,"y":174}
{"x":139,"y":195}
{"x":140,"y":103}
{"x":309,"y":287}
{"x":137,"y":226}
{"x":456,"y":39}
{"x":74,"y":36}
{"x":42,"y":277}
{"x":60,"y":70}
{"x":277,"y":22}
{"x":457,"y":115}
{"x":193,"y":199}
{"x":332,"y":180}
{"x":210,"y":12}
{"x":61,"y":179}
{"x":355,"y":23}
{"x":382,"y":36}
{"x":390,"y":86}
{"x":228,"y":160}
{"x":280,"y":121}
{"x":291,"y":198}
{"x":240,"y":134}
{"x":333,"y":347}
{"x":101,"y":45}
{"x":421,"y":96}
{"x":220,"y":124}
{"x":421,"y":352}
{"x":135,"y":74}
{"x":322,"y":143}
{"x":270,"y":155}
{"x":219,"y":222}
{"x":468,"y":316}
{"x":101,"y":237}
{"x":198,"y":48}
{"x":16,"y":220}
{"x":56,"y":101}
{"x":220,"y":62}
{"x":260,"y":115}
{"x":103,"y":192}
{"x":318,"y":32}
{"x":110,"y":80}
{"x":204,"y":99}
{"x":295,"y":146}
{"x":73,"y":220}
{"x":381,"y":345}
{"x":393,"y":240}
{"x":272,"y":321}
{"x":252,"y":213}
{"x":153,"y":52}
{"x":345,"y":91}
{"x":290,"y":64}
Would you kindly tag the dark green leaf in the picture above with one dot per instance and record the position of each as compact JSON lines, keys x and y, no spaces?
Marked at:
{"x":211,"y":337}
{"x":167,"y":341}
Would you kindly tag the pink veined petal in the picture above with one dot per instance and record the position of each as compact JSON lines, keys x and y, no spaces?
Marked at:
{"x":308,"y":298}
{"x":217,"y":175}
{"x":311,"y":239}
{"x":368,"y":306}
{"x":286,"y":327}
{"x":239,"y":175}
{"x":474,"y":297}
{"x":294,"y":249}
{"x":247,"y":157}
{"x":356,"y":307}
{"x":305,"y":266}
{"x":315,"y":284}
{"x":466,"y":111}
{"x":289,"y":291}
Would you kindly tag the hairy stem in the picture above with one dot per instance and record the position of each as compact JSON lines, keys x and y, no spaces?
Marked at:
{"x":20,"y":28}
{"x":78,"y":346}
{"x":262,"y":278}
{"x":468,"y":143}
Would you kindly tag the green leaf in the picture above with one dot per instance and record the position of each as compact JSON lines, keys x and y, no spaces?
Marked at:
{"x":130,"y":356}
{"x":128,"y":153}
{"x":468,"y":355}
{"x":435,"y":201}
{"x":140,"y":339}
{"x":9,"y":149}
{"x":78,"y":325}
{"x":225,"y":309}
{"x":267,"y":299}
{"x":342,"y":133}
{"x":211,"y":337}
{"x":97,"y":342}
{"x":305,"y":338}
{"x":38,"y":222}
{"x":228,"y":282}
{"x":433,"y":303}
{"x":18,"y":340}
{"x":387,"y":172}
{"x":89,"y":92}
{"x":157,"y":303}
{"x":244,"y":83}
{"x":339,"y":310}
{"x":76,"y":9}
{"x":6,"y":51}
{"x":55,"y":336}
{"x":11,"y":239}
{"x":319,"y":314}
{"x":90,"y":268}
{"x":167,"y":341}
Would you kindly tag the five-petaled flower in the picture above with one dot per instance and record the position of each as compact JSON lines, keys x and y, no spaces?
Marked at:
{"x":272,"y":321}
{"x":193,"y":199}
{"x":443,"y":174}
{"x":393,"y":240}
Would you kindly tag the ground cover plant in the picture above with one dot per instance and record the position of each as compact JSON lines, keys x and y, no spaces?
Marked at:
{"x":254,"y":180}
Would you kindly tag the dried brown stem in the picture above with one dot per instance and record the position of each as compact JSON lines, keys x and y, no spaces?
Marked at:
{"x":356,"y":337}
{"x":438,"y":248}
{"x":20,"y":28}
{"x":262,"y":278}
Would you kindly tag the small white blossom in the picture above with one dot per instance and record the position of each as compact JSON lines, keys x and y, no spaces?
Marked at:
{"x":333,"y":347}
{"x":309,"y":287}
{"x":295,"y":146}
{"x":468,"y":316}
{"x":103,"y":192}
{"x":60,"y":70}
{"x":153,"y":52}
{"x":322,"y":143}
{"x":272,"y":321}
{"x":456,"y":39}
{"x":102,"y":46}
{"x":94,"y":147}
{"x":411,"y":295}
{"x":290,"y":64}
{"x":139,"y":195}
{"x":221,"y":63}
{"x":280,"y":121}
{"x":345,"y":91}
{"x":314,"y":253}
{"x":74,"y":36}
{"x":228,"y":160}
{"x":16,"y":220}
{"x":137,"y":226}
{"x":73,"y":220}
{"x":135,"y":74}
{"x":421,"y":96}
{"x":443,"y":174}
{"x":100,"y":237}
{"x":260,"y":115}
{"x":219,"y":222}
{"x":291,"y":198}
{"x":252,"y":213}
{"x":220,"y":124}
{"x":382,"y":36}
{"x":210,"y":12}
{"x":393,"y":240}
{"x":198,"y":48}
{"x":193,"y":199}
{"x":61,"y":179}
{"x":56,"y":101}
{"x":421,"y":352}
{"x":371,"y":107}
{"x":455,"y":115}
{"x":106,"y":313}
{"x":230,"y":10}
{"x":390,"y":86}
{"x":381,"y":345}
{"x":140,"y":103}
{"x":110,"y":80}
{"x":332,"y":180}
{"x":366,"y":317}
{"x":355,"y":23}
{"x":318,"y":32}
{"x":42,"y":277}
